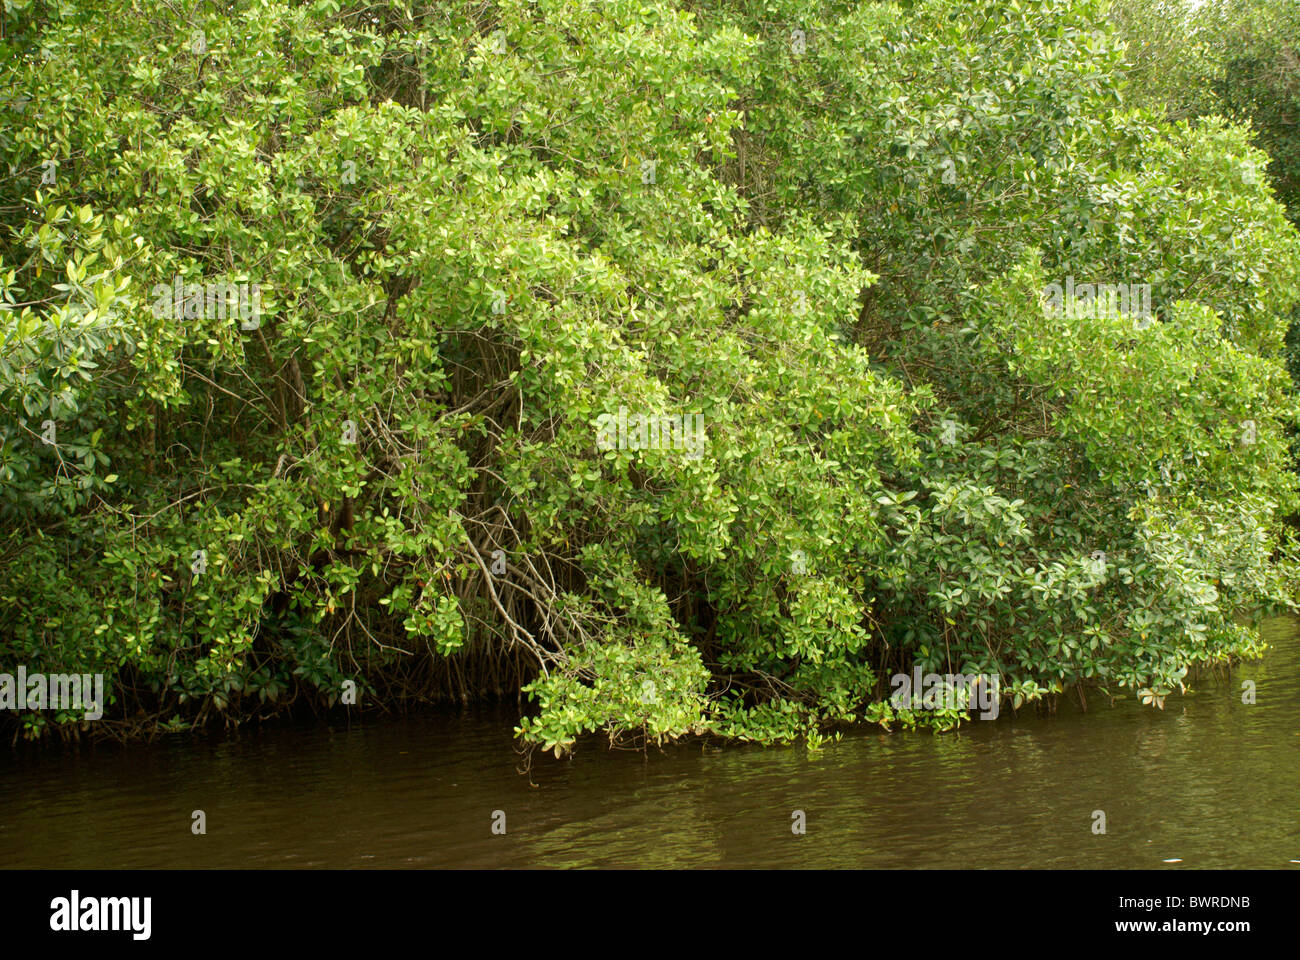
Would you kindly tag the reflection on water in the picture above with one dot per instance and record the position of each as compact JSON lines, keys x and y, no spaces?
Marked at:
{"x":1209,"y":781}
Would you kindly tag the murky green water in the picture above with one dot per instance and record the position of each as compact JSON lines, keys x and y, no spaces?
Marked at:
{"x":1209,"y":781}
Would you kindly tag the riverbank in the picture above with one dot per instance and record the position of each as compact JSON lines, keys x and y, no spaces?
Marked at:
{"x":1209,"y":782}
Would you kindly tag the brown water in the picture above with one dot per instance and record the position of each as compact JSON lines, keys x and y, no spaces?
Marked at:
{"x":1209,"y":781}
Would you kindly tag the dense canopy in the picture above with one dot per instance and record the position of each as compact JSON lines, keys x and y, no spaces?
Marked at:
{"x":474,"y":252}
